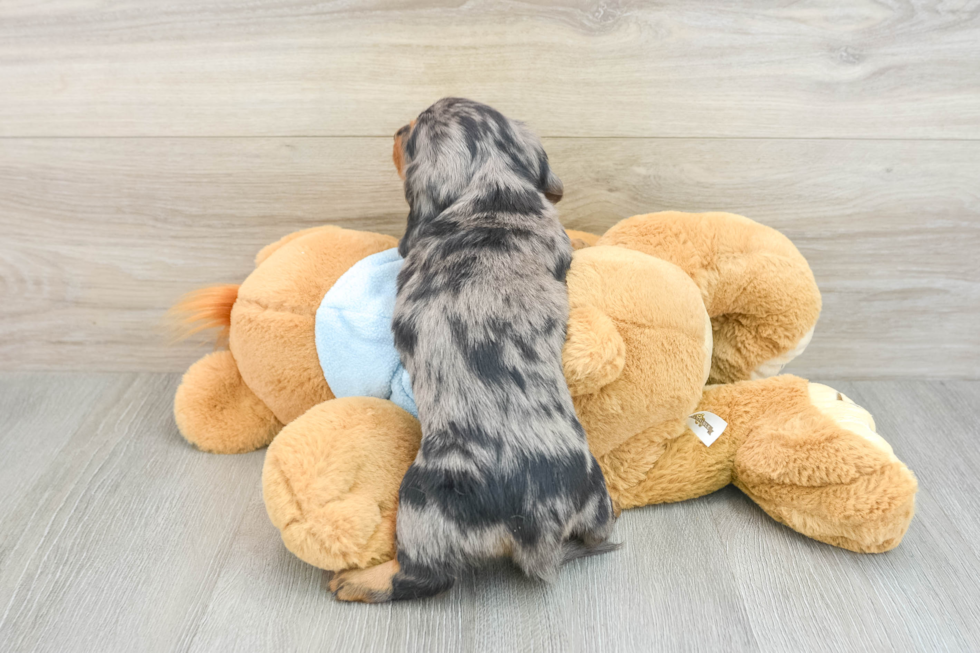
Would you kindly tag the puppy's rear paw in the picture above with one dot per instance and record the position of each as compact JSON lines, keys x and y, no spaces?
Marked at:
{"x":371,"y":585}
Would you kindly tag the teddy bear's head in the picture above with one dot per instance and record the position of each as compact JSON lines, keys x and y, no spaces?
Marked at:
{"x":639,"y":344}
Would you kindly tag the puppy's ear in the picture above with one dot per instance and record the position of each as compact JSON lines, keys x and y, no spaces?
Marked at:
{"x":398,"y":150}
{"x":553,"y":188}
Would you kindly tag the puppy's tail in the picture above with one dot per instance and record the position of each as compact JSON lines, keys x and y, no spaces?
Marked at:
{"x":575,"y":548}
{"x":202,"y":309}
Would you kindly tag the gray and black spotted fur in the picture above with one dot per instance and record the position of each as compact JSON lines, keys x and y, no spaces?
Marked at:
{"x":504,"y":467}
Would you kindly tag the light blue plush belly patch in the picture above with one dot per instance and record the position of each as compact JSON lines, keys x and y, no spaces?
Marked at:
{"x":353,"y":333}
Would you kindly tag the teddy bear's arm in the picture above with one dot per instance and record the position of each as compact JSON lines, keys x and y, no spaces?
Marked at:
{"x":758,"y":289}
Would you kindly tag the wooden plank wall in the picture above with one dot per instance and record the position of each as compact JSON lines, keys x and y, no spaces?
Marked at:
{"x":147,"y":148}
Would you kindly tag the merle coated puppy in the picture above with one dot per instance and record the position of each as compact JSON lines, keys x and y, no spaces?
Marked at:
{"x":504,"y":467}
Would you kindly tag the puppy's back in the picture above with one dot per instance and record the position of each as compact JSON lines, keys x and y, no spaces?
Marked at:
{"x":504,"y":462}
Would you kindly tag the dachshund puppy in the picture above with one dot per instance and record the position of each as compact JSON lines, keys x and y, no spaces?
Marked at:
{"x":504,"y":468}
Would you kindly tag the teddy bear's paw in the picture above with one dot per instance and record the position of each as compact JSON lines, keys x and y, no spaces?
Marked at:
{"x":847,"y":414}
{"x":823,"y":470}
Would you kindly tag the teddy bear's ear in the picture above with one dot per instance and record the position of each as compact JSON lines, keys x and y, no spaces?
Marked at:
{"x":581,"y":239}
{"x":594,"y":353}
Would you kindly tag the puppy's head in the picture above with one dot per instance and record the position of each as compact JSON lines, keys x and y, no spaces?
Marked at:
{"x":457,"y":143}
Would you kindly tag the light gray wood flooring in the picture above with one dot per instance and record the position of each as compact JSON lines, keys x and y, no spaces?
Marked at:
{"x":115,"y":535}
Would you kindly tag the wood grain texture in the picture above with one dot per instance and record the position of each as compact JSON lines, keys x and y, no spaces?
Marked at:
{"x":38,"y":415}
{"x":572,"y":68}
{"x":100,"y":236}
{"x":124,"y":538}
{"x":116,"y":544}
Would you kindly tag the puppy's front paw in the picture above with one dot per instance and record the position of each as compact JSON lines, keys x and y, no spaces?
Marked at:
{"x":371,"y":585}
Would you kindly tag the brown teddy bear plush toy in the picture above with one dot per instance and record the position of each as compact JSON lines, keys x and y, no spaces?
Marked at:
{"x":660,"y":305}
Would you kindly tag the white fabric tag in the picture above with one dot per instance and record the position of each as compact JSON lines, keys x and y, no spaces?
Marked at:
{"x":707,"y":426}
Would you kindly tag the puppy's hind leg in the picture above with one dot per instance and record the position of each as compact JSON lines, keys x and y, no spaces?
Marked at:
{"x":396,"y":580}
{"x":592,"y":536}
{"x":418,"y":581}
{"x":371,"y":585}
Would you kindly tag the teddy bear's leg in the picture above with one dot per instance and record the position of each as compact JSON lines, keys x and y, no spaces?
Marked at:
{"x":215,"y":411}
{"x":812,"y":460}
{"x":331,"y":480}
